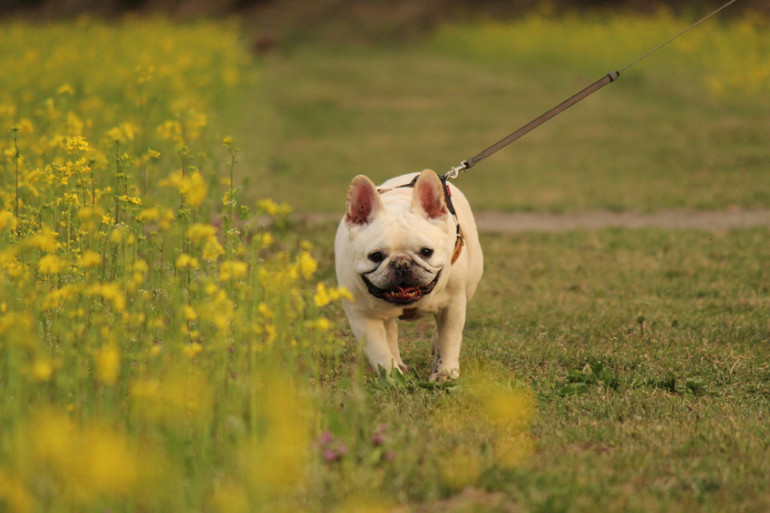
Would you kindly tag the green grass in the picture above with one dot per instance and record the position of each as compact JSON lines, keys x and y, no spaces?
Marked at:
{"x":646,"y":352}
{"x":676,"y":131}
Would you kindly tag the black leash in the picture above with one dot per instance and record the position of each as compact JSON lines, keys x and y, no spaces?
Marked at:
{"x":465,"y":165}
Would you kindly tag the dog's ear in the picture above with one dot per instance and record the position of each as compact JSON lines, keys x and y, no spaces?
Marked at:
{"x":428,"y":195}
{"x":363,"y":201}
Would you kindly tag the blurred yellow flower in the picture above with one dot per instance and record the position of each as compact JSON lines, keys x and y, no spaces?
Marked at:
{"x":184,"y":260}
{"x":191,"y":186}
{"x":232,"y":269}
{"x":307,"y":264}
{"x":323,"y":296}
{"x":108,"y":364}
{"x":51,"y":264}
{"x":65,"y":89}
{"x":111,"y":292}
{"x":212,"y":250}
{"x":7,"y":220}
{"x":16,"y":497}
{"x":271,"y":208}
{"x":88,"y":259}
{"x":197,"y":232}
{"x":189,"y":313}
{"x":77,"y":143}
{"x":44,"y":240}
{"x":42,"y":369}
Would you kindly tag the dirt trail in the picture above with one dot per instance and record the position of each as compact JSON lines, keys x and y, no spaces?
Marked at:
{"x":673,"y":219}
{"x":509,"y":222}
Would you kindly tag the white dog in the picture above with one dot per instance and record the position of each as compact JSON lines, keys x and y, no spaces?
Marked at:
{"x":407,"y":249}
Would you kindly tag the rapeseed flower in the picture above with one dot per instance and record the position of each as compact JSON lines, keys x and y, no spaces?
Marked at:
{"x":51,"y":264}
{"x":110,"y":285}
{"x":198,"y":232}
{"x":108,"y":364}
{"x":232,"y":269}
{"x":88,"y":259}
{"x":186,"y":261}
{"x":191,"y":186}
{"x":15,"y":495}
{"x":7,"y":221}
{"x":42,"y":369}
{"x":307,"y":265}
{"x":44,"y":240}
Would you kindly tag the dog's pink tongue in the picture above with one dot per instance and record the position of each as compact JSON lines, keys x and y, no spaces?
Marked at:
{"x":402,"y":292}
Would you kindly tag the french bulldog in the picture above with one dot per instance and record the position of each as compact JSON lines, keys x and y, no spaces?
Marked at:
{"x":407,"y":249}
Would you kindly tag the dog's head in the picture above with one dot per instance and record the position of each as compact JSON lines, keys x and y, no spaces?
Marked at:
{"x":399,"y":244}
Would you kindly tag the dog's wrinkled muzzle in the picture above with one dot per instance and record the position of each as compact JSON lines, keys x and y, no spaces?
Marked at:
{"x":401,"y":294}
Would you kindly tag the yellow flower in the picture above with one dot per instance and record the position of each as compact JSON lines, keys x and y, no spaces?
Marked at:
{"x":321,"y":296}
{"x":51,"y":264}
{"x":191,"y":186}
{"x":185,"y":260}
{"x":197,"y":232}
{"x":307,"y":264}
{"x":111,"y":292}
{"x":42,"y":369}
{"x":321,"y":324}
{"x":44,"y":240}
{"x":265,"y":240}
{"x":122,"y":132}
{"x":232,"y":269}
{"x":265,"y":311}
{"x":189,"y":313}
{"x":134,"y":200}
{"x":89,"y":259}
{"x":108,"y":364}
{"x":7,"y":220}
{"x":271,"y":208}
{"x":212,"y":249}
{"x":140,"y":266}
{"x":65,"y":89}
{"x":148,"y":215}
{"x":171,"y":130}
{"x":14,"y":494}
{"x":324,"y":296}
{"x":193,"y":350}
{"x":56,"y":297}
{"x":77,"y":143}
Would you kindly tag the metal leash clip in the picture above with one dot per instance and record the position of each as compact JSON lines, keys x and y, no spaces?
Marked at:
{"x":455,"y":171}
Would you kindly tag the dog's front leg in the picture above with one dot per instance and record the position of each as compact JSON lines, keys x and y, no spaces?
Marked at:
{"x":391,"y":329}
{"x":373,"y":334}
{"x":448,"y":339}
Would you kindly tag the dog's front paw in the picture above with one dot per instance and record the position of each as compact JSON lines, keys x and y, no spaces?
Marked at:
{"x":443,"y":370}
{"x":444,"y":375}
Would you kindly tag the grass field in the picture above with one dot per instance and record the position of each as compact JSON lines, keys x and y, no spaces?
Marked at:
{"x":684,"y":128}
{"x":160,"y":350}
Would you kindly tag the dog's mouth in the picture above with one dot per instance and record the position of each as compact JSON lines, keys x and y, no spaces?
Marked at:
{"x":401,"y":295}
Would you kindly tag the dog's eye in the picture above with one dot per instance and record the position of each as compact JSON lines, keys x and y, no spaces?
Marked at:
{"x":376,"y":256}
{"x":426,"y":252}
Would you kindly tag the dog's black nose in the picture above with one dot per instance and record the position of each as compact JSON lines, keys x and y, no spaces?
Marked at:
{"x":401,"y":264}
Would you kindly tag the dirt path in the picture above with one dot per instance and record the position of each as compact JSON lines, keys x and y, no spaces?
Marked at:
{"x":674,"y":219}
{"x":501,"y":222}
